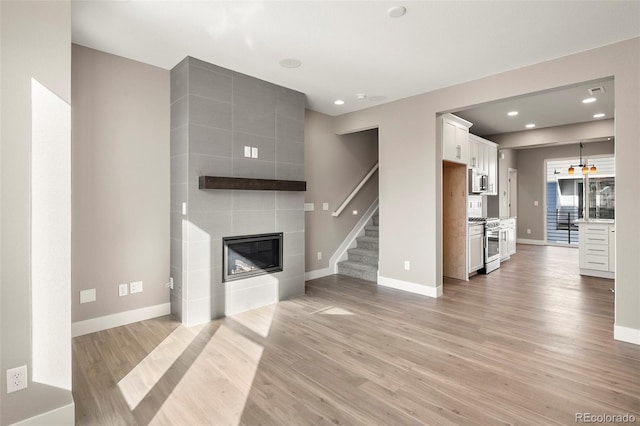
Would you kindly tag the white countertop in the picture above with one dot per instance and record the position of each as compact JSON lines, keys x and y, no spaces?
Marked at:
{"x":607,"y":221}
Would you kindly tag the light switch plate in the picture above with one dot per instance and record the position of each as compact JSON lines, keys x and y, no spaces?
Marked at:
{"x":254,"y":152}
{"x":247,"y":151}
{"x":325,"y":206}
{"x":123,"y":289}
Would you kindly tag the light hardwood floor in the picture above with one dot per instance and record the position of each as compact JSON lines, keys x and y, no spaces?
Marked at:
{"x":523,"y":345}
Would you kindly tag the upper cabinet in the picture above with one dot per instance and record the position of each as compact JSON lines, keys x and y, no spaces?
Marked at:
{"x":454,"y":132}
{"x":484,"y":157}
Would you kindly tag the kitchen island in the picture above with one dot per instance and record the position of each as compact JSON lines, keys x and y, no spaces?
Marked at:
{"x":597,"y":247}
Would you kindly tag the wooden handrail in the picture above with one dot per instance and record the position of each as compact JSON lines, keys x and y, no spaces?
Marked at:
{"x":355,"y":191}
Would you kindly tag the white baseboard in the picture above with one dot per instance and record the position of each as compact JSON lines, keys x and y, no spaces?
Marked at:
{"x":121,"y":318}
{"x":532,"y":242}
{"x":410,"y":287}
{"x":318,"y":273}
{"x":626,"y":334}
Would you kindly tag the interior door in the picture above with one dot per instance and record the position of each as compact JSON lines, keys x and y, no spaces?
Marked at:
{"x":513,"y":192}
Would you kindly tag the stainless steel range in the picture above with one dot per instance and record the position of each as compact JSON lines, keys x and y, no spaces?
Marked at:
{"x":491,"y":242}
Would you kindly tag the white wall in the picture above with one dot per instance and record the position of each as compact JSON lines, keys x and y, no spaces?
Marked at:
{"x":410,"y":164}
{"x":36,"y":46}
{"x":334,"y":165}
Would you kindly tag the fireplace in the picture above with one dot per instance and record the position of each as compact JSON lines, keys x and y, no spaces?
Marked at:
{"x":251,"y":255}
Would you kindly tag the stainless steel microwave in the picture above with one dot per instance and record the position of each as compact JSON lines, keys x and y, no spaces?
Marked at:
{"x":477,"y":181}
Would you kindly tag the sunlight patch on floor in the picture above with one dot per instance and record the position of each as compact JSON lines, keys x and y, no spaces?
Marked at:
{"x":333,"y":310}
{"x":257,"y":320}
{"x":137,"y":384}
{"x":217,"y":384}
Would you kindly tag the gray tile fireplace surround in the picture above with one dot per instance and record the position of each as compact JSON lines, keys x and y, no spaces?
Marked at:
{"x":215,"y":113}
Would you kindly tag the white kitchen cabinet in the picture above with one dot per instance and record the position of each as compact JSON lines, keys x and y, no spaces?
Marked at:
{"x":454,"y":132}
{"x":507,"y":238}
{"x":483,"y":155}
{"x":511,"y":239}
{"x":597,"y":249}
{"x":476,"y":247}
{"x":492,"y":169}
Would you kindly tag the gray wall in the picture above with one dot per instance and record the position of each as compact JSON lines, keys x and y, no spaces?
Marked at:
{"x":215,"y":112}
{"x":35,"y":44}
{"x":532,"y":179}
{"x":410,"y":164}
{"x":120,"y":157}
{"x":334,"y":165}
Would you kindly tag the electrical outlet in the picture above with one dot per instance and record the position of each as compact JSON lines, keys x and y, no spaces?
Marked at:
{"x":135,"y":287}
{"x":319,"y":255}
{"x":170,"y":283}
{"x":87,"y":296}
{"x":407,"y":265}
{"x":123,"y":289}
{"x":528,"y":231}
{"x":16,"y":378}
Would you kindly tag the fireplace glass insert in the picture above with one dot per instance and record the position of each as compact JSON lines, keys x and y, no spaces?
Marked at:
{"x":250,"y":255}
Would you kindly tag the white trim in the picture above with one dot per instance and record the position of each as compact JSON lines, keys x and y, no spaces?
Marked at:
{"x":410,"y":287}
{"x":626,"y":334}
{"x":532,"y":242}
{"x":318,"y":273}
{"x":64,"y":415}
{"x":350,"y":239}
{"x":121,"y":318}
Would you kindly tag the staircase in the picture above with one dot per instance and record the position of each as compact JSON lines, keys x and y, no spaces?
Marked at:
{"x":363,"y":260}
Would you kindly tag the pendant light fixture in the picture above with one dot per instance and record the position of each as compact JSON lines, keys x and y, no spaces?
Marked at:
{"x":585,"y":168}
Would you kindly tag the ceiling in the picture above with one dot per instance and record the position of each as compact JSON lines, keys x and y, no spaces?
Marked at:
{"x":546,"y":109}
{"x":354,"y":47}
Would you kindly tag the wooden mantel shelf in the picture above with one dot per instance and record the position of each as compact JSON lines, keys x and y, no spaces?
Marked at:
{"x":218,"y":182}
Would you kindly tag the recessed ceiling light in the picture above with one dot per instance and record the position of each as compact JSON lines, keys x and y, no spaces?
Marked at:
{"x":397,"y":11}
{"x":599,"y":115}
{"x":361,"y":96}
{"x":290,"y":63}
{"x":512,"y":113}
{"x":588,"y":100}
{"x":530,"y":126}
{"x":338,"y":102}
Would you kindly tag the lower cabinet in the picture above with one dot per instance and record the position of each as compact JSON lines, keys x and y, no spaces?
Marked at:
{"x":597,"y":249}
{"x":507,"y":238}
{"x":511,"y":238}
{"x":476,"y":247}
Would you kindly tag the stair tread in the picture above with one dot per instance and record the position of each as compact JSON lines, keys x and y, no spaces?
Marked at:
{"x":358,"y":265}
{"x":362,"y":251}
{"x":368,"y":239}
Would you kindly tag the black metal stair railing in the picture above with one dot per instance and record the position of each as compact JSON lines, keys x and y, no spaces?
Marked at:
{"x":562,"y":225}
